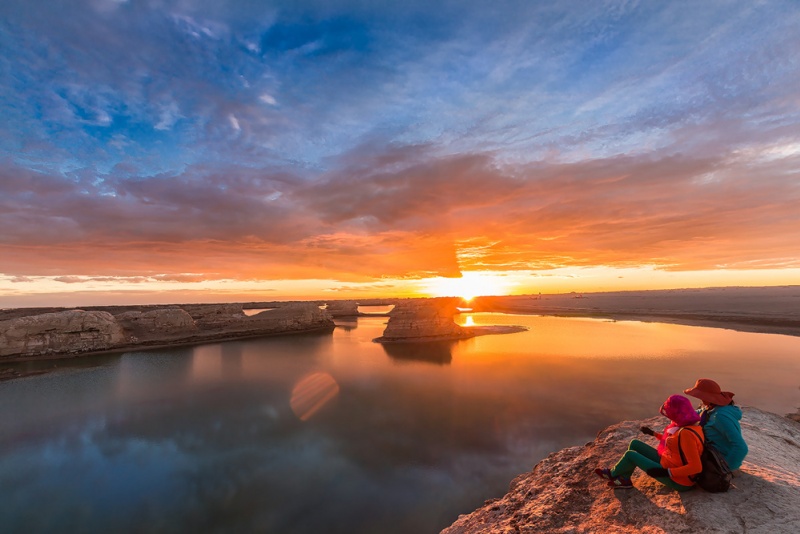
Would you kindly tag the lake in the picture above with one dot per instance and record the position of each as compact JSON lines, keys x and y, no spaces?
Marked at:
{"x":337,"y":434}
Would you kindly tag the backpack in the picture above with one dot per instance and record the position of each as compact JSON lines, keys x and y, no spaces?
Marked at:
{"x":716,"y":475}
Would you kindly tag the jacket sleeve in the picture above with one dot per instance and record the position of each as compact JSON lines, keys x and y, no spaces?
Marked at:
{"x":688,"y":444}
{"x":737,"y":448}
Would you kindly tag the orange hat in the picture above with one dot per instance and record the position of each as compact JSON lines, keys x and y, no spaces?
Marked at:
{"x":709,"y":392}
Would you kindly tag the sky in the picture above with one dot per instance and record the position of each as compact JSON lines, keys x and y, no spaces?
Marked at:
{"x":206,"y":150}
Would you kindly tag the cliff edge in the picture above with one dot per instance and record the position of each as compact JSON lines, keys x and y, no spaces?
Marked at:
{"x":562,"y":494}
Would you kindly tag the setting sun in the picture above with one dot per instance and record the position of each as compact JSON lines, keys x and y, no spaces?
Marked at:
{"x":471,"y":284}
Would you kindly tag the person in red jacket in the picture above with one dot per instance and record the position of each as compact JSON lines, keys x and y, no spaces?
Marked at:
{"x":677,"y":458}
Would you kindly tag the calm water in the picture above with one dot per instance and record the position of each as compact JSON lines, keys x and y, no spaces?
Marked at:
{"x":334,"y":433}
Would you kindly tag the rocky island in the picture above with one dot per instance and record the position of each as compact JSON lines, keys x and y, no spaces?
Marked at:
{"x":431,"y":320}
{"x":562,"y":495}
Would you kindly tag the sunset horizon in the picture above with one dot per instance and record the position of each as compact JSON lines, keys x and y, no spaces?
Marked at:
{"x":225,"y":152}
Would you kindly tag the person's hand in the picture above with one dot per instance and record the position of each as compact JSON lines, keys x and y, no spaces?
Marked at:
{"x":657,"y":472}
{"x":647,"y":430}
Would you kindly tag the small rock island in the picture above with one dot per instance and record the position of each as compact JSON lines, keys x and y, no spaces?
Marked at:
{"x":430,"y":320}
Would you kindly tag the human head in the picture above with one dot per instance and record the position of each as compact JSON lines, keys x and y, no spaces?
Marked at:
{"x":679,"y":409}
{"x":710,"y":393}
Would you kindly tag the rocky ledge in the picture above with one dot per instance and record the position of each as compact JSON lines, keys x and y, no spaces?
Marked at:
{"x":75,"y":332}
{"x":562,"y":494}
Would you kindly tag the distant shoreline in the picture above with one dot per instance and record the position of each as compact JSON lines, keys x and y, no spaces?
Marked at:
{"x":766,"y":310}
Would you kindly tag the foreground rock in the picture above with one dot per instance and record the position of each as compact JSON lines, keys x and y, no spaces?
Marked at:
{"x":73,"y":332}
{"x":562,"y":494}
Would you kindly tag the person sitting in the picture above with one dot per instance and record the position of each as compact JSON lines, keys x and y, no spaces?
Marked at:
{"x":720,"y":418}
{"x":680,"y":456}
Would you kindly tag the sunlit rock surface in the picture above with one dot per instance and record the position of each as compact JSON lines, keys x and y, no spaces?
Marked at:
{"x":67,"y":332}
{"x":424,"y":320}
{"x":562,"y":494}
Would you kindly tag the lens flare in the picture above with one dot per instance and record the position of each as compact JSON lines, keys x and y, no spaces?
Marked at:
{"x":311,"y":393}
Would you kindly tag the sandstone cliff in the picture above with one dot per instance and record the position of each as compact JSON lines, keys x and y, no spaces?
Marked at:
{"x":423,"y":320}
{"x":73,"y":332}
{"x":562,"y":494}
{"x":343,"y":308}
{"x":66,"y":332}
{"x":162,"y":324}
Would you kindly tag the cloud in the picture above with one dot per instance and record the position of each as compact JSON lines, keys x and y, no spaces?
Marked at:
{"x":405,"y":213}
{"x":145,"y":141}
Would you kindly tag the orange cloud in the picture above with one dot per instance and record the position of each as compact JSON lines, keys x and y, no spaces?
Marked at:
{"x":405,"y":213}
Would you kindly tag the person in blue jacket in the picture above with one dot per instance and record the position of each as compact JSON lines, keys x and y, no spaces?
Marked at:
{"x":720,"y":418}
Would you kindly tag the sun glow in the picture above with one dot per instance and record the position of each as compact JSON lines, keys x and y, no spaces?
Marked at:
{"x":471,"y":284}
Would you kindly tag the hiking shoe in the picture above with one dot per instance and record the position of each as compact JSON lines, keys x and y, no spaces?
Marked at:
{"x":620,"y":482}
{"x":604,"y":474}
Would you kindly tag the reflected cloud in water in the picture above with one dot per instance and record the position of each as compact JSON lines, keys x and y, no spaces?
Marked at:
{"x":325,"y":433}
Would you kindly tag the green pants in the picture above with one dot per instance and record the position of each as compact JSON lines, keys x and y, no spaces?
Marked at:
{"x":643,"y":456}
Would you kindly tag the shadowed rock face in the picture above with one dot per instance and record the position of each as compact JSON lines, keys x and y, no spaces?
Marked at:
{"x":424,"y":320}
{"x":562,"y":494}
{"x":343,"y":308}
{"x":67,"y":332}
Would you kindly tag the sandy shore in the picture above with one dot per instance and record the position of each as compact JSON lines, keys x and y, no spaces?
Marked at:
{"x":774,"y":310}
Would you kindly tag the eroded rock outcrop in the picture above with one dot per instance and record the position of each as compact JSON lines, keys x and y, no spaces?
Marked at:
{"x":66,"y":332}
{"x":160,"y":324}
{"x":343,"y":308}
{"x":73,"y":332}
{"x":424,"y":320}
{"x":211,"y":316}
{"x":299,"y":317}
{"x":562,"y":494}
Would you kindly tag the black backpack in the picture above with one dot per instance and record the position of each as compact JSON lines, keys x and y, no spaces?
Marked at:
{"x":716,"y":475}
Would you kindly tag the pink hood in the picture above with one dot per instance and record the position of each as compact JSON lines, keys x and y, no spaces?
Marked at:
{"x":679,"y":409}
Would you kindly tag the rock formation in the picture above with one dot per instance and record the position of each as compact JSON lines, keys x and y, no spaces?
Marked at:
{"x":161,"y":324}
{"x":298,"y":317}
{"x":73,"y":332}
{"x":211,"y":316}
{"x":343,"y":308}
{"x":66,"y":332}
{"x":423,"y":320}
{"x":562,"y":494}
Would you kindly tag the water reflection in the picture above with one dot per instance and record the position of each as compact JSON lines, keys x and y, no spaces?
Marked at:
{"x":324,"y":433}
{"x":376,"y":310}
{"x":346,"y":324}
{"x":438,"y":352}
